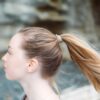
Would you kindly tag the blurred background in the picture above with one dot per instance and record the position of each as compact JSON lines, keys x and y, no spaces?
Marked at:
{"x":81,"y":17}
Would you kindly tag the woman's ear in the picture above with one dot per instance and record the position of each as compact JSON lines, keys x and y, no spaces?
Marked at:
{"x":32,"y":65}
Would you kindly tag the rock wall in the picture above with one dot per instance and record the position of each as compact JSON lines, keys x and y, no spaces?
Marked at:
{"x":74,"y":16}
{"x":55,"y":15}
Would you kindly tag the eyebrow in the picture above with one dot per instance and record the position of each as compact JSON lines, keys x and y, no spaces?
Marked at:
{"x":9,"y":46}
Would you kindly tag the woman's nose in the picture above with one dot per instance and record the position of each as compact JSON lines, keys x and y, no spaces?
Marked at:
{"x":3,"y":58}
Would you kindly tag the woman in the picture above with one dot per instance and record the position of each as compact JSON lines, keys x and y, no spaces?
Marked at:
{"x":34,"y":56}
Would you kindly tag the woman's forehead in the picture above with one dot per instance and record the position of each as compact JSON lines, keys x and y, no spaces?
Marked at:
{"x":15,"y":41}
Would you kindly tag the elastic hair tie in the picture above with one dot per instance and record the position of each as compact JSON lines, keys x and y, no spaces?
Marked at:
{"x":59,"y":38}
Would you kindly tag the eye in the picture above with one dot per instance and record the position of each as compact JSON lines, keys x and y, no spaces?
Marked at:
{"x":8,"y":52}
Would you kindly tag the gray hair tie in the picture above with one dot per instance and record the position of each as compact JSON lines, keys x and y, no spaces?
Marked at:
{"x":59,"y":38}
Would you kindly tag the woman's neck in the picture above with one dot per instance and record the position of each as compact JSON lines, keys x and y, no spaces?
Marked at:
{"x":38,"y":89}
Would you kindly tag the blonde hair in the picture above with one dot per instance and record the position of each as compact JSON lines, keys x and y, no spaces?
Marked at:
{"x":86,"y":58}
{"x":43,"y":44}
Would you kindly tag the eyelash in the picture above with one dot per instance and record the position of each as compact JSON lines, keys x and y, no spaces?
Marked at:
{"x":8,"y":52}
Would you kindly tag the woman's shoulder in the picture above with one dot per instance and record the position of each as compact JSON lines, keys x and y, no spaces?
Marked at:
{"x":55,"y":88}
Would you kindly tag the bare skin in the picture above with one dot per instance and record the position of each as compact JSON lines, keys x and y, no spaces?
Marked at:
{"x":38,"y":89}
{"x":26,"y":72}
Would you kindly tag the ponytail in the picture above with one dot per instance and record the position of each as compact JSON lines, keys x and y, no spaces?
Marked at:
{"x":85,"y":57}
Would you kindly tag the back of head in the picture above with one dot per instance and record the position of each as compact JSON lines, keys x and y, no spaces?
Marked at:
{"x":43,"y":44}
